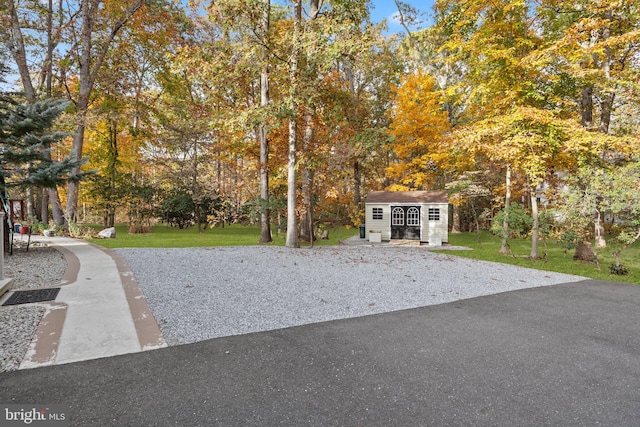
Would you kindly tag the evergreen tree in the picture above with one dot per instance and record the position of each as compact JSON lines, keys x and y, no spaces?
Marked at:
{"x":24,"y":140}
{"x":24,"y":134}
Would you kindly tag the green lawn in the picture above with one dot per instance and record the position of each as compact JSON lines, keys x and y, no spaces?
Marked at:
{"x":164,"y":236}
{"x":486,"y":246}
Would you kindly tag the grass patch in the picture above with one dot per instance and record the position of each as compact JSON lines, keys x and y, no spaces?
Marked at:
{"x":164,"y":236}
{"x":486,"y":246}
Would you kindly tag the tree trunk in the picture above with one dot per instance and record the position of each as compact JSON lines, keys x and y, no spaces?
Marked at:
{"x":71,"y":212}
{"x":586,"y":105}
{"x":607,"y":106}
{"x":113,"y":161}
{"x":48,"y":66}
{"x":535,"y":228}
{"x":292,"y":219}
{"x":29,"y":205}
{"x":306,"y":224}
{"x":6,"y":208}
{"x":37,"y":205}
{"x":357,"y":183}
{"x":265,"y":213}
{"x":56,"y":208}
{"x":455,"y":223}
{"x":584,"y":252}
{"x":44,"y":206}
{"x":601,"y":243}
{"x":18,"y":51}
{"x":504,"y":247}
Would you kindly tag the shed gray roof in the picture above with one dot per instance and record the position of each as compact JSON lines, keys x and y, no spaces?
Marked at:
{"x":407,"y":197}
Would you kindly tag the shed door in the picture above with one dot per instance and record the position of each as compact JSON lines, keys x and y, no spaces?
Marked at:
{"x":405,"y":222}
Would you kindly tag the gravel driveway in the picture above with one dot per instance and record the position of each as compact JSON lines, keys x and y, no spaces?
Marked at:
{"x":201,"y":293}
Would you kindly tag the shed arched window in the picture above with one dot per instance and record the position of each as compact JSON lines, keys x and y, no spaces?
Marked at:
{"x":413,"y":217}
{"x":397,"y":216}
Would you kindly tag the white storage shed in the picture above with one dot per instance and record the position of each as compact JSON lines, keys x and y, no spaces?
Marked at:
{"x":410,"y":215}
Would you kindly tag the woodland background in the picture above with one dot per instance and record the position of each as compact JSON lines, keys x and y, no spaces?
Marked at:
{"x":286,"y":114}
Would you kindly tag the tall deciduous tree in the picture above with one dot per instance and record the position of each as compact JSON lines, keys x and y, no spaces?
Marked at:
{"x":293,"y":104}
{"x":308,"y":136}
{"x":99,"y":26}
{"x":248,"y":28}
{"x":265,"y":217}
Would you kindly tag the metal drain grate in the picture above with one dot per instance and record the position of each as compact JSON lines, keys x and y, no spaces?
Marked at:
{"x":35,"y":295}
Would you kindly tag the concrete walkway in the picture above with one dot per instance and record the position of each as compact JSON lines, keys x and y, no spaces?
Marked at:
{"x":99,"y":312}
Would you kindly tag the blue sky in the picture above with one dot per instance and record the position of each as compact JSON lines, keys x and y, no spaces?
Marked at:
{"x":387,"y":9}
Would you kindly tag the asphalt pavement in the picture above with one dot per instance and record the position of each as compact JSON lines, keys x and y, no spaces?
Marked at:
{"x":561,"y":355}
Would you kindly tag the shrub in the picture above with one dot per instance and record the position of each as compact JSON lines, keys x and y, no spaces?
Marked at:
{"x":569,"y":240}
{"x":38,"y":226}
{"x":81,"y":231}
{"x":520,"y":222}
{"x":178,"y":209}
{"x":618,"y":270}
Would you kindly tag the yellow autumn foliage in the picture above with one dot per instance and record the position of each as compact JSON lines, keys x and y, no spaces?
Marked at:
{"x":419,"y":127}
